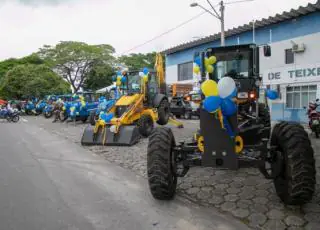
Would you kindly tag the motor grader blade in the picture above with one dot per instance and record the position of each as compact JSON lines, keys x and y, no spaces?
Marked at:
{"x":127,"y":136}
{"x":175,"y":122}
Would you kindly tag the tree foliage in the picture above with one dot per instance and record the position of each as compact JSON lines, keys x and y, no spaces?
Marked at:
{"x":74,"y":60}
{"x":9,"y":64}
{"x":138,"y":61}
{"x":32,"y":80}
{"x":99,"y":76}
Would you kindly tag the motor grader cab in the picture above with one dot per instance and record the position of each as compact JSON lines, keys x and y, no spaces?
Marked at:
{"x":134,"y":113}
{"x":235,"y":131}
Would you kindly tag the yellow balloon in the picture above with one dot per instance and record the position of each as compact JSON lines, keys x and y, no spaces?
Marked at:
{"x":119,"y":78}
{"x":196,"y":69}
{"x":212,"y":60}
{"x":118,"y":83}
{"x":210,"y":88}
{"x":206,"y":61}
{"x":210,"y":68}
{"x":145,"y":78}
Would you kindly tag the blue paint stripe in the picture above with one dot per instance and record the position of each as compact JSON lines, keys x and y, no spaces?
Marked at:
{"x":301,"y":26}
{"x":280,"y":113}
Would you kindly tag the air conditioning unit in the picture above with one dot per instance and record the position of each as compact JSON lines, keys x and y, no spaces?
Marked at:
{"x":297,"y":48}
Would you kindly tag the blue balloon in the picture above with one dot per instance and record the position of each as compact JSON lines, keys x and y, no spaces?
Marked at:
{"x":123,"y":79}
{"x":145,"y":70}
{"x":234,"y":93}
{"x":197,"y":60}
{"x":272,"y":94}
{"x":211,"y":103}
{"x":227,"y":126}
{"x":228,"y":107}
{"x":106,"y":117}
{"x":119,"y":73}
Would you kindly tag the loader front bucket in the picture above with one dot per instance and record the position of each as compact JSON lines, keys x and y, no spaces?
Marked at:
{"x":127,"y":136}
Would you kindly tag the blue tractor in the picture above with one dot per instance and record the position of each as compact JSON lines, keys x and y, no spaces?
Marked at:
{"x":81,"y":107}
{"x":105,"y":104}
{"x":49,"y":107}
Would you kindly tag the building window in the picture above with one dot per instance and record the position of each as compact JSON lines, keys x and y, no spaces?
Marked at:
{"x":289,"y":56}
{"x":185,"y":71}
{"x":300,"y":96}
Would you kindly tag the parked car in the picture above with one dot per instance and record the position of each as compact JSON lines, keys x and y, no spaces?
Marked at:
{"x":181,"y":108}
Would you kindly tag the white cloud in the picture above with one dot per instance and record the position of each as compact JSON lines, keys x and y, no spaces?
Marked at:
{"x":121,"y":23}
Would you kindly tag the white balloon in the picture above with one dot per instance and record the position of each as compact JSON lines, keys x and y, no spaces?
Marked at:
{"x":226,"y":87}
{"x":113,"y":129}
{"x":141,"y":74}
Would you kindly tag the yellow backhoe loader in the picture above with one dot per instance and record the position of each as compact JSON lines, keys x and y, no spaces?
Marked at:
{"x":133,"y":115}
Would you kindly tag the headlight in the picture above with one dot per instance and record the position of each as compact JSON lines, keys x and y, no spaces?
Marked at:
{"x":242,"y":95}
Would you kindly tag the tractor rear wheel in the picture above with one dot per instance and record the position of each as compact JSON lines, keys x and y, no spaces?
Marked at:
{"x":163,"y":112}
{"x":145,"y":125}
{"x":161,"y":164}
{"x":295,"y":185}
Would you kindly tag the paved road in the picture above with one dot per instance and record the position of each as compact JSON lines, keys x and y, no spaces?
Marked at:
{"x":47,"y":182}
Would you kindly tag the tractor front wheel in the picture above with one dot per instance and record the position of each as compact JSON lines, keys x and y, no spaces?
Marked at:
{"x":48,"y":114}
{"x":295,"y":185}
{"x":163,"y":112}
{"x":145,"y":125}
{"x":161,"y":164}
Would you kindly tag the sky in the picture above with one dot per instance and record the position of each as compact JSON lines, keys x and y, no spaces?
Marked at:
{"x":27,"y":25}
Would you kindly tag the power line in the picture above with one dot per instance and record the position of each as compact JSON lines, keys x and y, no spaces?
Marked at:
{"x":166,"y":32}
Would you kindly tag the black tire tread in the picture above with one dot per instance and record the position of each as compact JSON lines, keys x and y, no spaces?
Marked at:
{"x":145,"y":118}
{"x":162,"y":180}
{"x":296,"y":184}
{"x":163,"y":116}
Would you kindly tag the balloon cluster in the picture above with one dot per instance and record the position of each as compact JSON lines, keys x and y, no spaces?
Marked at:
{"x":106,"y":117}
{"x":218,"y":98}
{"x":119,"y":79}
{"x":144,"y":74}
{"x":208,"y":63}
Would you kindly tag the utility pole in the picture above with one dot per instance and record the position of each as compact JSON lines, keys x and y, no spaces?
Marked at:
{"x":220,"y":16}
{"x":222,"y":23}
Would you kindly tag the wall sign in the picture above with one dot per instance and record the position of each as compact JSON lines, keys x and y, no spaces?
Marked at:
{"x":292,"y":74}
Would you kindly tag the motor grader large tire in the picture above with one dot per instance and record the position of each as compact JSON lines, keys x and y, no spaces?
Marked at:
{"x":296,"y":183}
{"x":161,"y":164}
{"x":145,"y":125}
{"x":163,"y":112}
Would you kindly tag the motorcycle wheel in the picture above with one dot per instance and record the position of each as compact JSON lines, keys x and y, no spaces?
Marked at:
{"x":15,"y":118}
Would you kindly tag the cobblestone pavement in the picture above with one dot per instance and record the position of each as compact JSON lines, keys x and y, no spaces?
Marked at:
{"x":244,"y":194}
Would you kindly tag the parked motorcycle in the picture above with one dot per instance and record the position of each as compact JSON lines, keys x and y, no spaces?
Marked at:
{"x":314,"y":117}
{"x":11,"y":116}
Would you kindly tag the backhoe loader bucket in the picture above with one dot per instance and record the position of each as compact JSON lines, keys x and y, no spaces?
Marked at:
{"x":127,"y":136}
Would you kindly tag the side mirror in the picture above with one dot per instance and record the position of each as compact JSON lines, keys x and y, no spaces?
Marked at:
{"x":267,"y":51}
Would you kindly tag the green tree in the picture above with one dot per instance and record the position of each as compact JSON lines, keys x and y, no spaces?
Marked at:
{"x":9,"y":64}
{"x":32,"y":80}
{"x":74,"y":60}
{"x":138,"y":61}
{"x":99,"y":76}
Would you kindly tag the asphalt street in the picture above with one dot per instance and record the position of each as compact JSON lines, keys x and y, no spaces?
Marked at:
{"x":48,"y":182}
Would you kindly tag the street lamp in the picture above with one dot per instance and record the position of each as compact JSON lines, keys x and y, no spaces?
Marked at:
{"x":220,"y":16}
{"x":215,"y":14}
